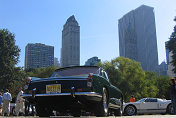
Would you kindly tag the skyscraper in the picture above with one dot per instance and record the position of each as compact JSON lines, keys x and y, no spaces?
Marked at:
{"x":169,"y":59}
{"x":167,"y":53}
{"x":170,"y":66}
{"x":70,"y":51}
{"x":137,"y":37}
{"x":38,"y":55}
{"x":56,"y":62}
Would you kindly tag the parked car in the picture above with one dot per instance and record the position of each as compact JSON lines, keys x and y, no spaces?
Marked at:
{"x":72,"y":89}
{"x":148,"y":106}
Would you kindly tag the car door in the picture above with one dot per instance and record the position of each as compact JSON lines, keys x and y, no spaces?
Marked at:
{"x":149,"y":105}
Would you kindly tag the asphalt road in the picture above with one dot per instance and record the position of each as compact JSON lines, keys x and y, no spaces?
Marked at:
{"x":137,"y":116}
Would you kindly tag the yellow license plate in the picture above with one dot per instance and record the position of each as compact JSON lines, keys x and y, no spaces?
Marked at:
{"x":56,"y":88}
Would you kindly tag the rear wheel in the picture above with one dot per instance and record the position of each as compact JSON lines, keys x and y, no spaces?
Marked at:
{"x":76,"y":113}
{"x":43,"y":111}
{"x":102,"y":107}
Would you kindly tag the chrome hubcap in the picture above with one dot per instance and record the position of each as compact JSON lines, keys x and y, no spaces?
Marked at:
{"x":171,"y":109}
{"x":130,"y":110}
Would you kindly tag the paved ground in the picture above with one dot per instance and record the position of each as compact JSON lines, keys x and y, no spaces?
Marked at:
{"x":138,"y":116}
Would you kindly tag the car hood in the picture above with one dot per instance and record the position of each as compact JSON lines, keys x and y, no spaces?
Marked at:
{"x":134,"y":103}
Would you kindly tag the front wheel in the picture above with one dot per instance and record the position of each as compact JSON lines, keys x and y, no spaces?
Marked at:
{"x":170,"y":109}
{"x":119,"y":111}
{"x":130,"y":110}
{"x":102,"y":107}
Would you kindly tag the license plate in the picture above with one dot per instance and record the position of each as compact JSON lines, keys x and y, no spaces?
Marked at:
{"x":56,"y":88}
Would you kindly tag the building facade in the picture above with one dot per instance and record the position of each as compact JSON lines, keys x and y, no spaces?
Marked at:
{"x":70,"y":51}
{"x":92,"y":61}
{"x":167,"y":53}
{"x":170,"y":67}
{"x":170,"y":73}
{"x":137,"y":37}
{"x":56,"y":62}
{"x":163,"y":68}
{"x":38,"y":55}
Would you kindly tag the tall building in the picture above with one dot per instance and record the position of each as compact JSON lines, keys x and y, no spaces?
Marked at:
{"x":137,"y":37}
{"x":38,"y":55}
{"x":92,"y":61}
{"x":56,"y":62}
{"x":170,"y":66}
{"x":70,"y":51}
{"x":163,"y":68}
{"x":167,"y":53}
{"x":170,"y":73}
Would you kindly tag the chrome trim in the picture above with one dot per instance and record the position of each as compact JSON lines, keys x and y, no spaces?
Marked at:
{"x":93,"y":94}
{"x":32,"y":81}
{"x":114,"y":106}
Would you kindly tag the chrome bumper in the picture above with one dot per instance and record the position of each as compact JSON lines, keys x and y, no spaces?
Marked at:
{"x":92,"y":94}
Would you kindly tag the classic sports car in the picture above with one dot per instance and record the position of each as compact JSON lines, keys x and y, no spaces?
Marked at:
{"x":72,"y":89}
{"x":148,"y":105}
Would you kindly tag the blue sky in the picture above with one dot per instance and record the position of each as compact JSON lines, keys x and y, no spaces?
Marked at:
{"x":41,"y":21}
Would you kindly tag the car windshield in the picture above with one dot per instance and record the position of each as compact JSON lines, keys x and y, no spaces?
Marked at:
{"x":161,"y":99}
{"x":75,"y":71}
{"x":141,"y":100}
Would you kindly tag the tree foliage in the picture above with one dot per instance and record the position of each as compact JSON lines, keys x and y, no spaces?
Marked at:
{"x":172,"y":47}
{"x":17,"y":81}
{"x":41,"y":72}
{"x":9,"y":58}
{"x":129,"y":77}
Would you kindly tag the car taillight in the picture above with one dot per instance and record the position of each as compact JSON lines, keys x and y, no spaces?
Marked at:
{"x":79,"y":90}
{"x":89,"y":80}
{"x":28,"y":80}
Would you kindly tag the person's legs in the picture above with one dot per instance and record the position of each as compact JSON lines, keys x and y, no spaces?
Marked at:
{"x":22,"y":106}
{"x":8,"y":108}
{"x":17,"y":108}
{"x":174,"y":104}
{"x":0,"y":109}
{"x":4,"y":107}
{"x":32,"y":106}
{"x":26,"y":108}
{"x":173,"y":100}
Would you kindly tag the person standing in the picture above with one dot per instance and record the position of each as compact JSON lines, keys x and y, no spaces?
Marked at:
{"x":0,"y":103}
{"x":132,"y":99}
{"x":173,"y":94}
{"x":19,"y":102}
{"x":6,"y":98}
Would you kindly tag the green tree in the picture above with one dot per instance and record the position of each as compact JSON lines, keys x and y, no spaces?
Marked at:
{"x":17,"y":81}
{"x":149,"y":87}
{"x":9,"y":57}
{"x":41,"y":72}
{"x":163,"y":86}
{"x":172,"y":47}
{"x":127,"y":75}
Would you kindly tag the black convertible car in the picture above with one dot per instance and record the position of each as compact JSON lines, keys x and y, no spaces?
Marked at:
{"x":74,"y":89}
